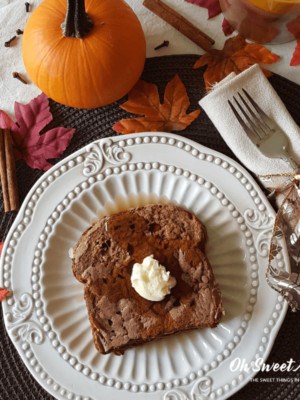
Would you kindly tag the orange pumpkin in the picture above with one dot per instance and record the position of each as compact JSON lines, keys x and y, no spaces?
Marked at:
{"x":84,"y":55}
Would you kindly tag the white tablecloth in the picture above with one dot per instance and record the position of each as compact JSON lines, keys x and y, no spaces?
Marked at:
{"x":13,"y":16}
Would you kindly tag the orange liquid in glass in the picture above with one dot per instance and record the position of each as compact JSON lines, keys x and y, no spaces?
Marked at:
{"x":264,"y":21}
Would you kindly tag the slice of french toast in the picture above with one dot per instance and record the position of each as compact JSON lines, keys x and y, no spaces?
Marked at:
{"x":103,"y":259}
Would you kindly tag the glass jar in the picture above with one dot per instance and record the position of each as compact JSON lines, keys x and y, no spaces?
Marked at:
{"x":264,"y":21}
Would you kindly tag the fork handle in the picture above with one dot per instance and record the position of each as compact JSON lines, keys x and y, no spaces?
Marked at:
{"x":288,"y":159}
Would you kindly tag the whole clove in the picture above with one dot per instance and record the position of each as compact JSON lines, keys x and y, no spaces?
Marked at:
{"x":8,"y":43}
{"x":27,"y":6}
{"x":165,"y":43}
{"x":19,"y":32}
{"x":16,"y":75}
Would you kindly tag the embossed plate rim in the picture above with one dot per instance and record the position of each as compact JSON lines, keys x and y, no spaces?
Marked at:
{"x":28,"y":346}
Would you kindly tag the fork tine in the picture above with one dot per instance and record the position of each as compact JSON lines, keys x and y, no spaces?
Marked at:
{"x":249,"y":120}
{"x":261,"y":125}
{"x":264,"y":117}
{"x":256,"y":124}
{"x":241,"y":121}
{"x":238,"y":117}
{"x":253,"y":102}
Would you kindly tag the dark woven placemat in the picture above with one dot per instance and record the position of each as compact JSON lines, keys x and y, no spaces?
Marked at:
{"x":15,"y":381}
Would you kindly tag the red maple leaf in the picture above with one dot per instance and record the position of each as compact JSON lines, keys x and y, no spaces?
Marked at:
{"x":296,"y":55}
{"x":213,"y":6}
{"x":29,"y":144}
{"x":3,"y":293}
{"x":5,"y":121}
{"x":227,"y":28}
{"x":294,"y":28}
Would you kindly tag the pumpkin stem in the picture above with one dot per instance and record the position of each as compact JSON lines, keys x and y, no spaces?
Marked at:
{"x":77,"y":23}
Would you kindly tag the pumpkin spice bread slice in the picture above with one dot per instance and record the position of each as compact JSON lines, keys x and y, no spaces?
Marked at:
{"x":103,"y":260}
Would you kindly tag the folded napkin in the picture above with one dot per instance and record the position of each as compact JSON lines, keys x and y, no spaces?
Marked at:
{"x":218,"y":110}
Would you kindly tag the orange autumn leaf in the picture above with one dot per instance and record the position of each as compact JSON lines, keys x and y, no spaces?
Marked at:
{"x":169,"y":116}
{"x":236,"y":56}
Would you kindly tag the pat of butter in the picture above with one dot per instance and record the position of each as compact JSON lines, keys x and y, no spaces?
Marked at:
{"x":151,"y":280}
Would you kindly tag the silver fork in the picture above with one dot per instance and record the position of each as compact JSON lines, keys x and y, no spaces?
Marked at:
{"x":261,"y":129}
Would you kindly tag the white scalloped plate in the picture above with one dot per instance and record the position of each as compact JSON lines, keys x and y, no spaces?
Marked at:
{"x":46,"y":316}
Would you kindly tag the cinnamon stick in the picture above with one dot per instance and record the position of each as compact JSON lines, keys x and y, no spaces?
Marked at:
{"x":3,"y":174}
{"x":8,"y":172}
{"x":180,"y":23}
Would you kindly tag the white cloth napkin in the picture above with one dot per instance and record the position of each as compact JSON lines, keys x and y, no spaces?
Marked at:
{"x":218,"y":110}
